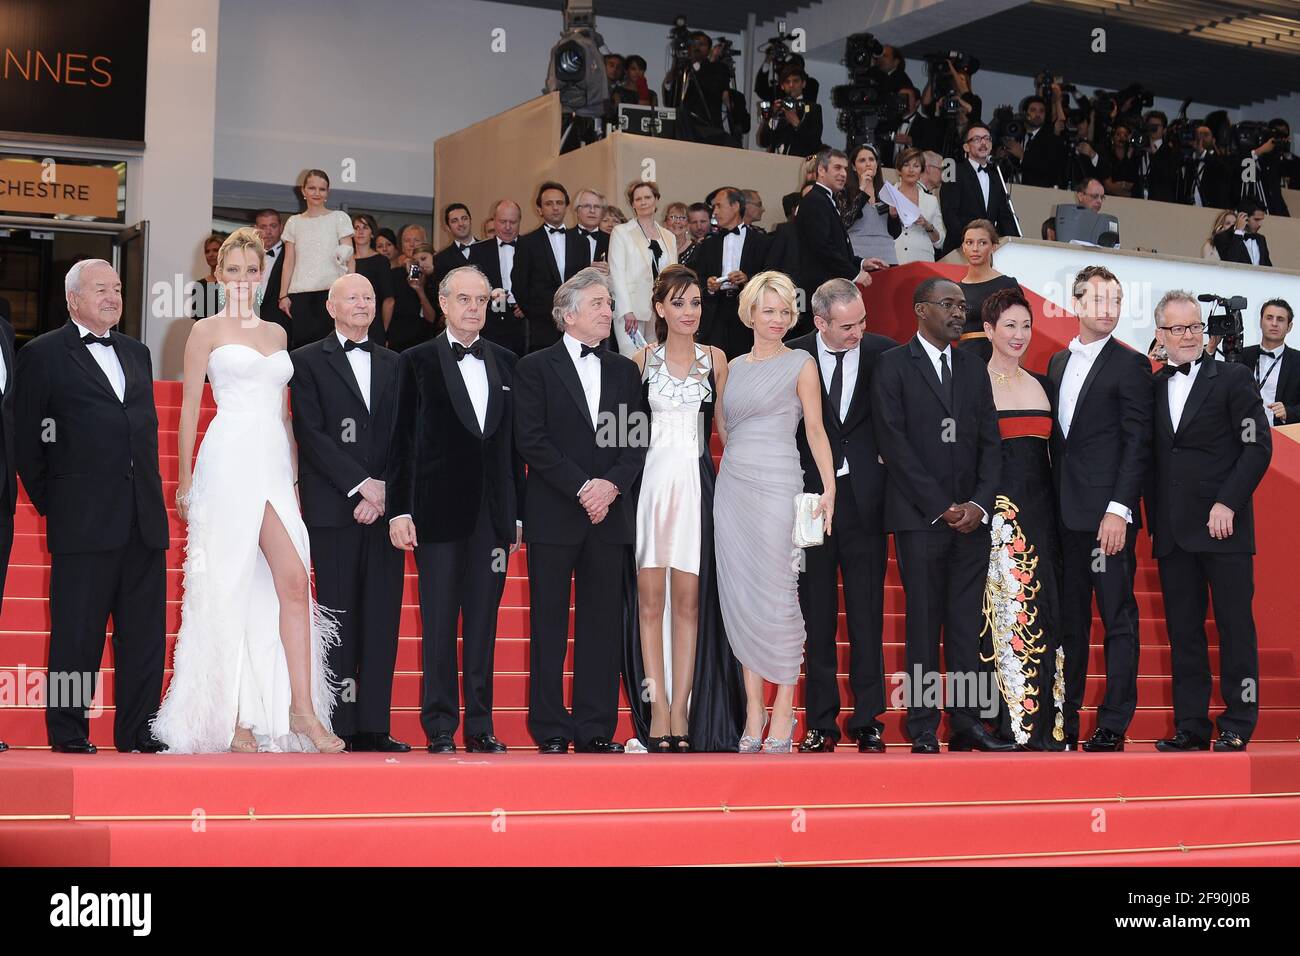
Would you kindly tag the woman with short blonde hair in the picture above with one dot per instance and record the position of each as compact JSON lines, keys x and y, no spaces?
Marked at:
{"x":767,"y":392}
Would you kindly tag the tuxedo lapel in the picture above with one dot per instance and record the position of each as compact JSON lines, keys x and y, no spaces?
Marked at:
{"x":569,"y":376}
{"x":337,"y":359}
{"x":926,"y":370}
{"x":549,"y":253}
{"x":1102,"y":357}
{"x":1200,"y":388}
{"x":7,"y":351}
{"x":496,"y":397}
{"x":81,"y":356}
{"x":1164,"y":423}
{"x":1285,"y":368}
{"x":383,"y":373}
{"x":130,"y":374}
{"x":456,"y":391}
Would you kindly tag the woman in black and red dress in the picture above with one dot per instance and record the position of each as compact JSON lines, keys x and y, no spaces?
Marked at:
{"x":1022,"y":596}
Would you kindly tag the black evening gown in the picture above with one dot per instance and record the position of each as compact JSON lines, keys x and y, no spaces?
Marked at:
{"x":1021,"y":638}
{"x":972,"y":336}
{"x":717,"y":707}
{"x":377,"y":269}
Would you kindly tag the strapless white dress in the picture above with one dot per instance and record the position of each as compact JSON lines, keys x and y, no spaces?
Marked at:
{"x":229,"y":661}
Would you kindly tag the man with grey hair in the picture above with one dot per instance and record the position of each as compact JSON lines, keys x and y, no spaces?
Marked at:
{"x":86,"y":443}
{"x":932,"y":172}
{"x":581,"y":428}
{"x":846,"y":355}
{"x":454,"y":499}
{"x":1211,"y":449}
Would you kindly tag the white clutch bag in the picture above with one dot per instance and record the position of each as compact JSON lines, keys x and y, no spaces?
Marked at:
{"x":808,"y":531}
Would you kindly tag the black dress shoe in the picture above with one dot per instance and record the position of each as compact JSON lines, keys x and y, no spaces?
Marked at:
{"x":925,"y":744}
{"x":599,"y":745}
{"x":355,"y":743}
{"x":553,"y":745}
{"x":816,"y":742}
{"x":978,"y":737}
{"x":1181,"y":742}
{"x":484,"y":744}
{"x":1071,"y":742}
{"x":3,"y":746}
{"x":1104,"y":741}
{"x":149,"y":747}
{"x":870,"y":741}
{"x":79,"y":746}
{"x":442,"y":744}
{"x":385,"y":744}
{"x":1229,"y":742}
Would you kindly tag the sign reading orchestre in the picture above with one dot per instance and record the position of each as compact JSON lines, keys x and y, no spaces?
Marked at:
{"x":61,"y":189}
{"x":73,"y":69}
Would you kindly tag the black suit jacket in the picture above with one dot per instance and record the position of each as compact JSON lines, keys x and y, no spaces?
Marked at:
{"x":441,"y":463}
{"x":1286,"y":376}
{"x":448,"y":259}
{"x":1161,"y":175}
{"x":708,"y":262}
{"x":824,"y":248}
{"x":500,"y":326}
{"x":1232,"y":248}
{"x":1215,"y":185}
{"x":935,"y":453}
{"x":962,"y":200}
{"x":1108,"y":452}
{"x":89,"y":462}
{"x":855,"y":437}
{"x":536,"y":276}
{"x":270,"y":308}
{"x":341,"y":443}
{"x":1044,"y":161}
{"x":1213,"y":457}
{"x":563,"y":449}
{"x":802,"y":140}
{"x":8,"y":466}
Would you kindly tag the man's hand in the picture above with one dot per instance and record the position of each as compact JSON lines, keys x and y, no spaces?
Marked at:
{"x":902,"y":139}
{"x":1111,"y":533}
{"x":737,"y":278}
{"x":372,"y":490}
{"x":1279,"y":412}
{"x":952,"y":515}
{"x":1266,"y":147}
{"x":601,"y":267}
{"x":365,"y":512}
{"x":712,"y":284}
{"x":1241,"y":220}
{"x":972,"y":517}
{"x":863,"y":278}
{"x":872,"y":264}
{"x":791,"y":117}
{"x":598,"y":516}
{"x":1085,"y":148}
{"x":1015,"y":149}
{"x":597,"y":497}
{"x":401,"y":531}
{"x":1220,"y":523}
{"x":519,"y":538}
{"x":629,"y":322}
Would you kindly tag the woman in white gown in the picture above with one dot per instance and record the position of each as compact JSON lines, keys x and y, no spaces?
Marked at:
{"x":250,"y":671}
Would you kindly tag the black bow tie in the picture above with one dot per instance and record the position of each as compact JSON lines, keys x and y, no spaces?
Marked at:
{"x":1272,"y":355}
{"x":1250,"y":238}
{"x":460,"y":351}
{"x":91,"y":339}
{"x":511,"y":243}
{"x":555,"y":230}
{"x":270,"y":253}
{"x":586,"y":233}
{"x":590,"y":350}
{"x":1184,"y":369}
{"x":982,"y":169}
{"x":365,"y":345}
{"x":734,"y":231}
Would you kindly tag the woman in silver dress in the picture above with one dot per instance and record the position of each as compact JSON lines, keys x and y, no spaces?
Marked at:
{"x":754,"y":510}
{"x":866,"y":216}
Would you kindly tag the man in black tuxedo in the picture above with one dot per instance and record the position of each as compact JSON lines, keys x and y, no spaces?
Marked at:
{"x":505,"y":323}
{"x":937,"y":431}
{"x":344,"y":391}
{"x":86,"y":445}
{"x":915,"y":130}
{"x":1212,"y":449}
{"x":457,"y":219}
{"x":846,"y":355}
{"x":792,"y":125}
{"x":724,"y":263}
{"x":976,"y":192}
{"x":589,"y":209}
{"x":8,"y":472}
{"x":1039,"y":151}
{"x":269,"y":225}
{"x":1157,"y":162}
{"x":581,"y":428}
{"x":1275,"y":365}
{"x":824,"y":248}
{"x":1205,"y":180}
{"x":1245,"y":243}
{"x":1101,"y":396}
{"x":544,"y":258}
{"x":457,"y":489}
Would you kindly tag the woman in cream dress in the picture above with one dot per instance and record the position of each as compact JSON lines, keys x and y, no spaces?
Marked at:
{"x":638,"y":251}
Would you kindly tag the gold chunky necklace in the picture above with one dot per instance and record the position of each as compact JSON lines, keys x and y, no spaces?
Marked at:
{"x":1001,"y":378}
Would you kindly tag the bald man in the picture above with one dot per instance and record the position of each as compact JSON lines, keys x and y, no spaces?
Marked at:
{"x":344,"y":395}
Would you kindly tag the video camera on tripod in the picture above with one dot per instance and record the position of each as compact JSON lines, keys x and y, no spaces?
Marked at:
{"x":942,"y":86}
{"x":864,"y":107}
{"x":1227,"y":326}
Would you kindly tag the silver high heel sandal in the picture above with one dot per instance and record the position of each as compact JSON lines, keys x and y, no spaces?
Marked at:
{"x":773,"y":746}
{"x":752,"y":745}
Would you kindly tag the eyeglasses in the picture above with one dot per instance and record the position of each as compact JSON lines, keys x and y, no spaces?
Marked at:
{"x":948,"y":305}
{"x":1178,"y":331}
{"x":589,"y":205}
{"x":677,"y":219}
{"x":981,"y":138}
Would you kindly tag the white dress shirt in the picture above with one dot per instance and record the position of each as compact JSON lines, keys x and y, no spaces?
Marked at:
{"x":1180,"y":386}
{"x":588,"y":374}
{"x":556,"y":239}
{"x":474,"y":372}
{"x":506,"y":257}
{"x":359,"y":360}
{"x":1077,"y":368}
{"x":1251,"y":243}
{"x":852,"y":359}
{"x":591,"y":241}
{"x":733,"y":244}
{"x":1267,"y":372}
{"x":463,"y":249}
{"x":272,"y":256}
{"x":107,"y":360}
{"x":982,"y":179}
{"x":4,"y":374}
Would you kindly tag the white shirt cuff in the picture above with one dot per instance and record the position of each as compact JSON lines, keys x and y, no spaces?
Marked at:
{"x":1115,"y":508}
{"x":395,"y":517}
{"x":518,"y":523}
{"x":583,"y":488}
{"x":357,"y":488}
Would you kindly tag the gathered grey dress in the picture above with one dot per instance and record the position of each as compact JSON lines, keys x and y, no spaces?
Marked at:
{"x":753,"y":516}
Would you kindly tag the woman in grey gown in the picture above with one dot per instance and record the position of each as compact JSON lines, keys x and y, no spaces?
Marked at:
{"x":753,"y":508}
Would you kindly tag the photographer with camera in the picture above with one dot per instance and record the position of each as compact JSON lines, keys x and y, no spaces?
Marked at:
{"x":791,"y":125}
{"x":1157,"y":161}
{"x":699,"y":88}
{"x":1038,"y":152}
{"x":1245,"y":243}
{"x":1276,"y":366}
{"x":914,"y":129}
{"x":949,"y":99}
{"x":890,"y":71}
{"x":1276,"y":167}
{"x":1203,"y":177}
{"x":767,"y":82}
{"x":1121,"y":174}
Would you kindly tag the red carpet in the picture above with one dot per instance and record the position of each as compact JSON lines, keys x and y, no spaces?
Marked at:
{"x":1206,"y":809}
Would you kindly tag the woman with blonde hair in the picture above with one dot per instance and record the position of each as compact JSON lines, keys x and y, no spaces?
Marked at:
{"x":638,"y":251}
{"x":676,"y":221}
{"x":317,"y":251}
{"x":1224,"y":220}
{"x":767,"y":391}
{"x":251,"y":671}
